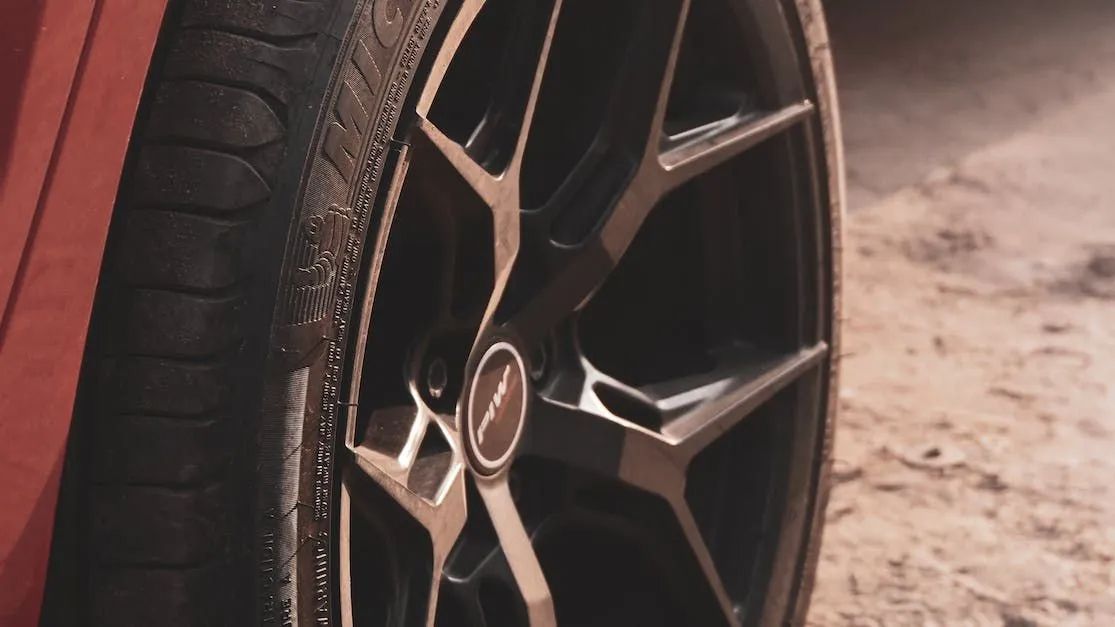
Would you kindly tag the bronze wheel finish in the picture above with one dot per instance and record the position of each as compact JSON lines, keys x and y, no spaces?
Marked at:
{"x":606,"y":264}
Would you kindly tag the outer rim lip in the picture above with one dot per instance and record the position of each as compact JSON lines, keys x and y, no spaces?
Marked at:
{"x":482,"y":464}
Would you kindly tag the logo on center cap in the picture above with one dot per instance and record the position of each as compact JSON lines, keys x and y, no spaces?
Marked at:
{"x":496,"y":406}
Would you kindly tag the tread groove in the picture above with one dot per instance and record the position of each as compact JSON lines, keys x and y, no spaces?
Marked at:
{"x":220,"y":359}
{"x":287,"y":42}
{"x":234,"y":289}
{"x":214,"y":146}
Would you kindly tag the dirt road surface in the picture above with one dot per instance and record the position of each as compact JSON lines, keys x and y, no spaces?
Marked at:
{"x":976,"y":457}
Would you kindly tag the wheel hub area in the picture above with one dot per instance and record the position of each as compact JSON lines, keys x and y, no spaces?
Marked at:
{"x":495,"y":407}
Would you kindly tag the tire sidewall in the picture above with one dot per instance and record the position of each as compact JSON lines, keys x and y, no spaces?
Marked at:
{"x":339,"y":210}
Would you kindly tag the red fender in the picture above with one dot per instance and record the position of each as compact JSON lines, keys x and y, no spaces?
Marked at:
{"x":73,"y":72}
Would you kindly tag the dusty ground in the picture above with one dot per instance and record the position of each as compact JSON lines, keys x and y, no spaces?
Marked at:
{"x":976,"y":458}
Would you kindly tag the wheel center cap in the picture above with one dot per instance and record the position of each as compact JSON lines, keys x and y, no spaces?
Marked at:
{"x":496,"y":411}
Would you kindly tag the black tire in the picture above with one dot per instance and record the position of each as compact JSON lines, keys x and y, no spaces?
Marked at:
{"x":172,"y":432}
{"x":199,"y":487}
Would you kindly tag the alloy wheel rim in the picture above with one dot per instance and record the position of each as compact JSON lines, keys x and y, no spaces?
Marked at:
{"x":415,"y":447}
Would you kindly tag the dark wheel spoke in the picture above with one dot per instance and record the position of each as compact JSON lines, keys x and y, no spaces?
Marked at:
{"x":631,"y":134}
{"x":590,"y":438}
{"x":703,"y":558}
{"x":592,"y":422}
{"x":512,"y":105}
{"x":499,"y":191}
{"x":442,"y":516}
{"x":507,"y":226}
{"x":435,"y":591}
{"x":685,"y":159}
{"x":579,"y":272}
{"x":705,"y":406}
{"x":609,"y":428}
{"x":640,"y":100}
{"x":436,"y":144}
{"x":603,"y":444}
{"x":637,"y":114}
{"x":455,"y":35}
{"x":566,"y":289}
{"x":479,"y":565}
{"x":531,"y":105}
{"x":442,"y":519}
{"x":518,"y":551}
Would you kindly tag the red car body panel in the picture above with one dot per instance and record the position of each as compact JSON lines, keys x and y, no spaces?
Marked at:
{"x":72,"y":73}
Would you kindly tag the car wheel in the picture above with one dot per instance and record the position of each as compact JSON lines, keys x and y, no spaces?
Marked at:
{"x":464,"y":313}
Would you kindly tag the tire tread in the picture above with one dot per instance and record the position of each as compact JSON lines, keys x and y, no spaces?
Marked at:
{"x":172,"y":311}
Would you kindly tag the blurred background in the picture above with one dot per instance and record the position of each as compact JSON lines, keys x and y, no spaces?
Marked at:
{"x":976,"y":452}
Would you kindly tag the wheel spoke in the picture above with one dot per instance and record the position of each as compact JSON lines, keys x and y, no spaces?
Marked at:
{"x":575,"y":424}
{"x":662,"y":101}
{"x":686,"y":159}
{"x":435,"y":590}
{"x":589,"y":433}
{"x":634,"y":125}
{"x":645,"y":188}
{"x":388,"y":455}
{"x":506,"y":218}
{"x":499,"y":194}
{"x":506,"y":235}
{"x":661,"y":173}
{"x":442,"y":517}
{"x":489,"y":188}
{"x":477,"y":561}
{"x":708,"y":405}
{"x":455,"y":35}
{"x":640,"y":100}
{"x":443,"y":521}
{"x":703,"y":557}
{"x":518,"y":550}
{"x":566,"y":290}
{"x":515,"y":167}
{"x":586,"y":437}
{"x":602,"y":444}
{"x":574,"y":274}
